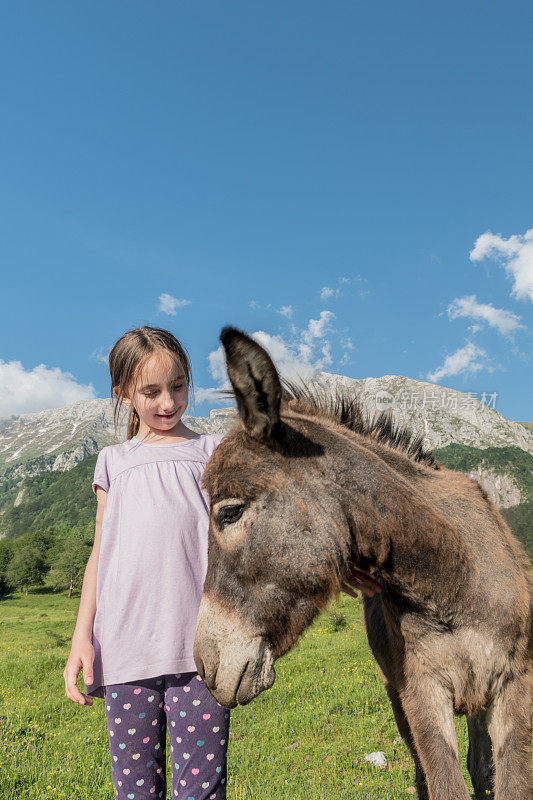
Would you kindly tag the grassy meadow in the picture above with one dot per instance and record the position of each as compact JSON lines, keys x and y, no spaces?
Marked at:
{"x":304,"y":739}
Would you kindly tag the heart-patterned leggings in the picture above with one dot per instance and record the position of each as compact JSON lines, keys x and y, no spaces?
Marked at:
{"x":138,"y":714}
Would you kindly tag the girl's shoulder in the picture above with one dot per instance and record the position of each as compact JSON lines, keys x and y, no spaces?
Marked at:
{"x":117,"y":458}
{"x":201,"y":442}
{"x":106,"y":463}
{"x":214,"y":439}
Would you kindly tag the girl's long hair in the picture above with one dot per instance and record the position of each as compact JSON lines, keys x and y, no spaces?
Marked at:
{"x":129,"y":353}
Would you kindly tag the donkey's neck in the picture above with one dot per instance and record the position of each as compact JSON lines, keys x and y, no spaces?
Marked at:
{"x":397,"y":532}
{"x":401,"y":539}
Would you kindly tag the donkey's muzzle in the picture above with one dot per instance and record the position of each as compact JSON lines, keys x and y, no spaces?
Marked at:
{"x":235,"y":662}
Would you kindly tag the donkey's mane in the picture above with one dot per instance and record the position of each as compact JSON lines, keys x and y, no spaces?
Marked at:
{"x":347,"y":410}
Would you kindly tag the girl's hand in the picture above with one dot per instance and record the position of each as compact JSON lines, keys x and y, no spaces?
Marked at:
{"x":359,"y":580}
{"x":81,"y":657}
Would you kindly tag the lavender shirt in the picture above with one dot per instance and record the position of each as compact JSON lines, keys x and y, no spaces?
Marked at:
{"x":153,"y":558}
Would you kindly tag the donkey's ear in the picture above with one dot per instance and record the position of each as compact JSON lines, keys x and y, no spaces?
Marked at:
{"x":256,"y":384}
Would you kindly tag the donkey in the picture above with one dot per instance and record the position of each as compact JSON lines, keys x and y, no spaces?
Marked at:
{"x":304,"y":487}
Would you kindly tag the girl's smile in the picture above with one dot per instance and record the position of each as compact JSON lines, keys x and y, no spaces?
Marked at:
{"x":161,"y":383}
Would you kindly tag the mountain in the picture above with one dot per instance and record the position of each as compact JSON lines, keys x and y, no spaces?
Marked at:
{"x":47,"y":458}
{"x":59,"y":438}
{"x":49,"y":499}
{"x":506,"y":473}
{"x":528,"y":425}
{"x":443,"y":416}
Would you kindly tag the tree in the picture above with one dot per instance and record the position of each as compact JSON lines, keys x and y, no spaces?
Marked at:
{"x":6,"y":552}
{"x":37,"y":539}
{"x":70,"y":563}
{"x":26,"y":568}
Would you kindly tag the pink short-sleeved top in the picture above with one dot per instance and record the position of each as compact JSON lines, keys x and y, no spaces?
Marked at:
{"x":153,"y":558}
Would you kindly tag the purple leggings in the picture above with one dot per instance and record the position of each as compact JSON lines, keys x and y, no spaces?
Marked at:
{"x":138,"y":713}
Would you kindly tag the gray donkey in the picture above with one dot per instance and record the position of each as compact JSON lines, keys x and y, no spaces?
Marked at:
{"x":303,"y":487}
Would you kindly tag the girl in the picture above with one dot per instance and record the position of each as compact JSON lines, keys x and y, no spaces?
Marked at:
{"x":143,"y":583}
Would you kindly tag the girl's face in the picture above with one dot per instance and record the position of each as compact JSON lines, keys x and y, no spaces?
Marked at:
{"x":162,"y":394}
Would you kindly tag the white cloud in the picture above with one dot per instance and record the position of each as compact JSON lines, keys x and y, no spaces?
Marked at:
{"x":101,"y":355}
{"x":317,"y":328}
{"x":169,"y":304}
{"x":304,"y":352}
{"x":217,"y":365}
{"x":505,"y":321}
{"x":308,"y":351}
{"x":294,"y":360}
{"x":326,"y":292}
{"x":346,"y":344}
{"x":253,"y":304}
{"x":288,"y":362}
{"x":25,"y":391}
{"x":516,"y":255}
{"x":465,"y":360}
{"x":286,"y":311}
{"x":326,"y":352}
{"x":211,"y":395}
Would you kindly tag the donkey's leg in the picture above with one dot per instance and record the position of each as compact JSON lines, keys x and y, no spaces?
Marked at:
{"x":510,"y":727}
{"x":479,"y":759}
{"x":429,"y":711}
{"x":405,"y":733}
{"x":389,"y":657}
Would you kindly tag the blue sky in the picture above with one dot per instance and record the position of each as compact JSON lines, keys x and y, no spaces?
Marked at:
{"x":350,"y":182}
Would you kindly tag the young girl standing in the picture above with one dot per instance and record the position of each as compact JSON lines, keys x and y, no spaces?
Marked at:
{"x":143,"y":583}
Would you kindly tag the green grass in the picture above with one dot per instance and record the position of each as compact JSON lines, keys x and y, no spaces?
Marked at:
{"x":304,"y":739}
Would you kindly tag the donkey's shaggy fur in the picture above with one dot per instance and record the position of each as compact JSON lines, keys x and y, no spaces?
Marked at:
{"x":305,"y":485}
{"x":347,"y":410}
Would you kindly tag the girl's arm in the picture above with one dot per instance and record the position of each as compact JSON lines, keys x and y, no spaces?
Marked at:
{"x":81,"y":652}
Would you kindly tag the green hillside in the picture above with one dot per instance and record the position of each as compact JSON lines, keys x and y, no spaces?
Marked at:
{"x":54,"y":498}
{"x":520,"y":520}
{"x":512,"y":461}
{"x":50,"y":499}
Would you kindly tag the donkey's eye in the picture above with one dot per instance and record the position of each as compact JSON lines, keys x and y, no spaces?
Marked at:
{"x":229,"y":514}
